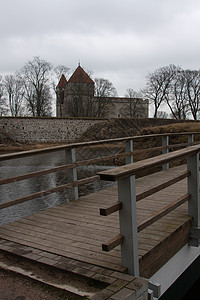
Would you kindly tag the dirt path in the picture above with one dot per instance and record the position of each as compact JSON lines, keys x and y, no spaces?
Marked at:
{"x":17,"y":287}
{"x":24,"y":279}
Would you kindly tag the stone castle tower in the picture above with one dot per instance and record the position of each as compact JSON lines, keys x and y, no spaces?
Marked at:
{"x":75,"y":98}
{"x":74,"y":95}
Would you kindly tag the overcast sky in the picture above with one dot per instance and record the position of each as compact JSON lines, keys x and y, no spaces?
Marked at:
{"x":118,"y":40}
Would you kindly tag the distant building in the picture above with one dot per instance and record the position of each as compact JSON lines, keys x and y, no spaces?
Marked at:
{"x":75,"y":98}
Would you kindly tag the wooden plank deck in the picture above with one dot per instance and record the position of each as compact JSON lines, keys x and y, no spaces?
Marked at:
{"x":76,"y":231}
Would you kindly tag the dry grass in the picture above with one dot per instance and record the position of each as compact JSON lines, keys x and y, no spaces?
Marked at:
{"x":16,"y":147}
{"x":172,"y":128}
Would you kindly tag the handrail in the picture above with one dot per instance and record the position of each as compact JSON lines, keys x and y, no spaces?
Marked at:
{"x":47,"y":192}
{"x":163,"y":212}
{"x":86,"y":144}
{"x":145,"y":193}
{"x":133,"y":169}
{"x":85,"y":163}
{"x":72,"y":164}
{"x":127,"y":198}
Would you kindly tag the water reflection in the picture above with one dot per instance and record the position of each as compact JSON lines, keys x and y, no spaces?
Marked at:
{"x":19,"y":189}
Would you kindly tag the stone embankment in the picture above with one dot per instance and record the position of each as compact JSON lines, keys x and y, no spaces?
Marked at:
{"x":32,"y":130}
{"x":45,"y":130}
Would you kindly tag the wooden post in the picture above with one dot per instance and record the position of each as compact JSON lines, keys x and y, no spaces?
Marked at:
{"x":129,"y":148}
{"x":193,"y":190}
{"x":165,"y":142}
{"x":72,"y":173}
{"x":128,"y":224}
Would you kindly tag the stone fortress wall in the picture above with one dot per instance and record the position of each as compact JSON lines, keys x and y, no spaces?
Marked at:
{"x":64,"y":130}
{"x":45,"y":129}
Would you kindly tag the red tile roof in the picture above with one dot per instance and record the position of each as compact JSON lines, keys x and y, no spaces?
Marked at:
{"x":62,"y":82}
{"x":80,"y":76}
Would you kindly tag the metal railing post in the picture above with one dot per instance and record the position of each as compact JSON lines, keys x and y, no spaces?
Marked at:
{"x":129,"y":148}
{"x":128,"y":224}
{"x":165,"y":142}
{"x":72,"y":173}
{"x":190,"y":139}
{"x":193,"y":190}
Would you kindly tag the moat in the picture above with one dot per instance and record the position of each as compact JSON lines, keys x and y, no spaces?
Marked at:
{"x":19,"y":189}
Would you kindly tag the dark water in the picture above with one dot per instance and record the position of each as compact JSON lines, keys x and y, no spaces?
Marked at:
{"x":19,"y":189}
{"x":187,"y":285}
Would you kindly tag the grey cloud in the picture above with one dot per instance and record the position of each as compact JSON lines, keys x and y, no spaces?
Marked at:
{"x":120,"y":40}
{"x":47,"y":16}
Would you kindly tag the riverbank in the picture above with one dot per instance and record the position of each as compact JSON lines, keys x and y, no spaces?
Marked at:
{"x":108,"y":130}
{"x":17,"y":147}
{"x":8,"y":144}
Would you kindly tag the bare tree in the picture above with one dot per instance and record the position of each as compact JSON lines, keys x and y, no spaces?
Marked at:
{"x":59,"y":71}
{"x":178,"y":88}
{"x":3,"y":104}
{"x":36,"y":76}
{"x":158,"y":86}
{"x":177,"y":101}
{"x":132,"y":108}
{"x":104,"y":89}
{"x":192,"y":78}
{"x":162,"y":114}
{"x":15,"y":91}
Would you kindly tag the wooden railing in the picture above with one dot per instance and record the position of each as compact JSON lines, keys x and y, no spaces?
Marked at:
{"x":127,"y":198}
{"x":126,"y":151}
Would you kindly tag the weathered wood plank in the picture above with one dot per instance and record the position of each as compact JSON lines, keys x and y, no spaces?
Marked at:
{"x":74,"y":224}
{"x":60,"y":244}
{"x":133,"y":169}
{"x":158,"y":256}
{"x":70,"y":241}
{"x":94,"y":238}
{"x":162,"y":186}
{"x":110,"y":209}
{"x":114,"y":242}
{"x":62,"y":251}
{"x":163,"y":212}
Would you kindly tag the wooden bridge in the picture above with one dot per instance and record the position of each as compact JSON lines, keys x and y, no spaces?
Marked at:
{"x":135,"y":227}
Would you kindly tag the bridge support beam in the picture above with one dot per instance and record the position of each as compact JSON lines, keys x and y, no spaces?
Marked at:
{"x":129,"y":148}
{"x":155,"y":288}
{"x":128,"y":224}
{"x":72,"y":173}
{"x":191,"y":139}
{"x":195,"y":233}
{"x":165,"y":143}
{"x":193,"y":190}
